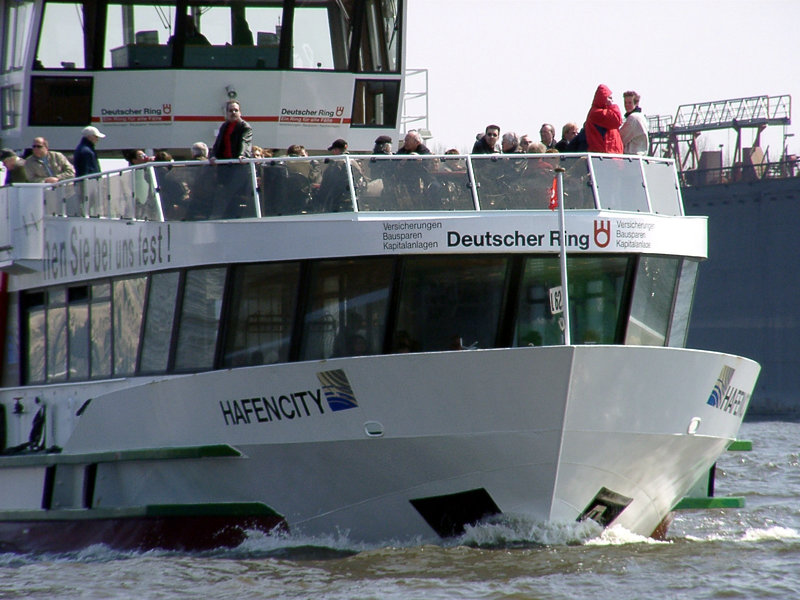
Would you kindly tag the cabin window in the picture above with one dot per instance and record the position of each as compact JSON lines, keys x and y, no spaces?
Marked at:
{"x":60,"y":40}
{"x":78,"y":317}
{"x":17,"y":19}
{"x":449,"y":303}
{"x":262,"y":312}
{"x":57,"y":335}
{"x":199,"y":320}
{"x":679,"y":330}
{"x":375,"y":103}
{"x":128,"y":311}
{"x":35,"y":337}
{"x":159,"y":320}
{"x":652,"y":303}
{"x":346,"y":313}
{"x":100,"y":330}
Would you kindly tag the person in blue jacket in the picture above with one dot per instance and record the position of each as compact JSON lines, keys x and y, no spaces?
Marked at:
{"x":85,"y":157}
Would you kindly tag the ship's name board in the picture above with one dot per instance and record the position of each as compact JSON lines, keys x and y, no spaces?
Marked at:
{"x":617,"y":235}
{"x":335,"y":390}
{"x":90,"y":251}
{"x":296,"y":405}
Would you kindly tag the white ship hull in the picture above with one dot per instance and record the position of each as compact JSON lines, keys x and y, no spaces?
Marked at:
{"x":531,"y":431}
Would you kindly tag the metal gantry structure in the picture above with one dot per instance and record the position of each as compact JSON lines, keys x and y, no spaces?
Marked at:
{"x":676,"y":137}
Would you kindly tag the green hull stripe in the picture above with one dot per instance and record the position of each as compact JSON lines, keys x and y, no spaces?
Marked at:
{"x":706,"y":503}
{"x":46,"y":460}
{"x":219,"y":509}
{"x":740,"y":446}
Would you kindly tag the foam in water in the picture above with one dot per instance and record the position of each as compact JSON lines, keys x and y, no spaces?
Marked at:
{"x":770,"y":533}
{"x":511,"y":531}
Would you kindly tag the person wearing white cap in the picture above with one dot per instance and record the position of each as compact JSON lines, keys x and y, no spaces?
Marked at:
{"x":85,"y":157}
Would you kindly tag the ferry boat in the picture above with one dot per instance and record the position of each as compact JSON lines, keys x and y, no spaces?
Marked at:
{"x":397,"y":350}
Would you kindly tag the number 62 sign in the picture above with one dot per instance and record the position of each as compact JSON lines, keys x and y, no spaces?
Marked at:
{"x":556,"y":300}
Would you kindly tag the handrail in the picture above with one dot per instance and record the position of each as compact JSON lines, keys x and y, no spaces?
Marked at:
{"x":291,"y":186}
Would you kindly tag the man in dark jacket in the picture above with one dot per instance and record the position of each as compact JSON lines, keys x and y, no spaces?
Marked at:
{"x":488,"y":142}
{"x":85,"y":157}
{"x":235,"y":137}
{"x":234,"y":140}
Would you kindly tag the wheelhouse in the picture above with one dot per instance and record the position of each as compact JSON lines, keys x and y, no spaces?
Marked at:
{"x":305,"y":71}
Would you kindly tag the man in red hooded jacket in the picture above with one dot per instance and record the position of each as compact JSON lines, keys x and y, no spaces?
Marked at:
{"x":603,"y":123}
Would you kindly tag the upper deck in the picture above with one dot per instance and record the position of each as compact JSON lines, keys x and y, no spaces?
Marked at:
{"x":341,"y":206}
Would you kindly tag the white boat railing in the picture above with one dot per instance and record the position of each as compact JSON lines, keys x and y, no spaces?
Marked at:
{"x":256,"y":188}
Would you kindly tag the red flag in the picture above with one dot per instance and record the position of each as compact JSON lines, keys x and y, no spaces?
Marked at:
{"x":554,"y":194}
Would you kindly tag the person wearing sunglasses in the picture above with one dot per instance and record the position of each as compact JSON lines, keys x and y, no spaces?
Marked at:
{"x":47,"y":166}
{"x":489,"y":142}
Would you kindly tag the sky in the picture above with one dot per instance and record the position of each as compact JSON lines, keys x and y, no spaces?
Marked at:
{"x":521,"y":63}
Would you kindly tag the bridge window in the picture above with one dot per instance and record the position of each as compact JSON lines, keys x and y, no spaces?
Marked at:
{"x":137,"y":35}
{"x":312,"y":40}
{"x":61,"y":38}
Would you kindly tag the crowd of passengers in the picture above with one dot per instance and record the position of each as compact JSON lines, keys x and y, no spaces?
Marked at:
{"x":292,"y":187}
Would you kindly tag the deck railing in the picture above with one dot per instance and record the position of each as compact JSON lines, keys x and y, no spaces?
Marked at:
{"x":195,"y":190}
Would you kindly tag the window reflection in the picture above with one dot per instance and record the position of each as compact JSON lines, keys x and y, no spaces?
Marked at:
{"x":128,"y":311}
{"x":160,"y":316}
{"x":101,"y":330}
{"x":199,"y":320}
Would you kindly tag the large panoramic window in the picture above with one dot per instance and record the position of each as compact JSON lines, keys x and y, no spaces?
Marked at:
{"x":78,"y":316}
{"x":262,"y":314}
{"x":267,"y":313}
{"x":652,"y":303}
{"x":595,"y":291}
{"x":35,"y":337}
{"x":160,"y":315}
{"x":128,"y":311}
{"x":450,"y":303}
{"x":57,"y":335}
{"x":679,"y":329}
{"x":346,"y":313}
